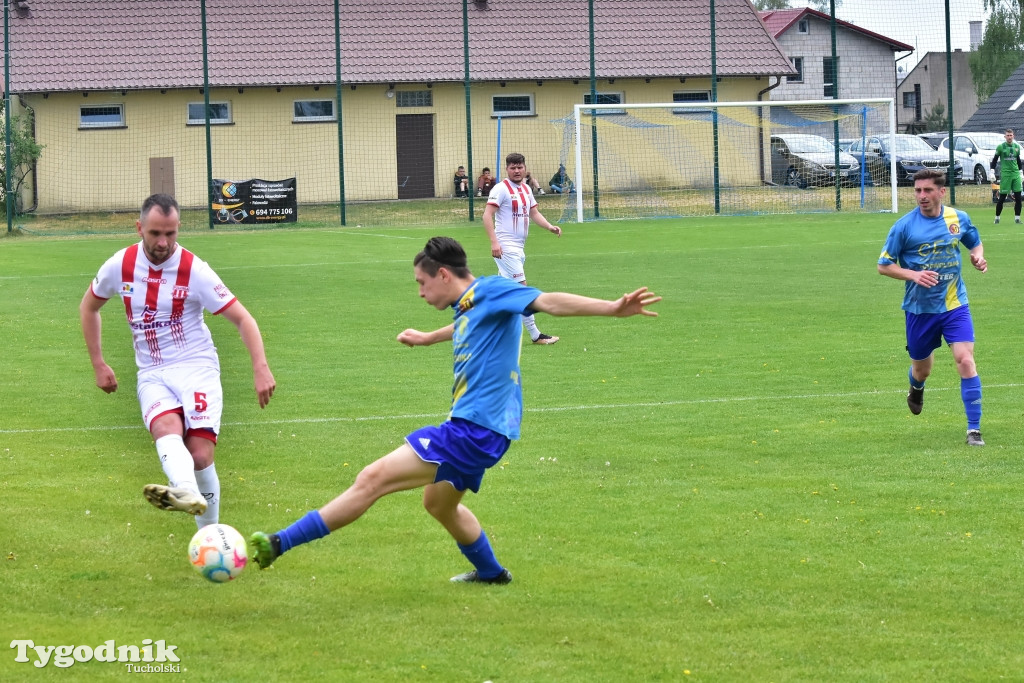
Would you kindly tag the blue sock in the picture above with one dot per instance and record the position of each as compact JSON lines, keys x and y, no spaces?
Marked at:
{"x":970,"y":392}
{"x":913,"y":382}
{"x":308,"y":528}
{"x":479,"y":553}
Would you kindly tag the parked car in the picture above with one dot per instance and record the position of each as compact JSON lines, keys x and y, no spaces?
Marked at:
{"x":933,"y":139}
{"x":911,"y":154}
{"x":810,"y":160}
{"x":844,"y":143}
{"x":975,"y":152}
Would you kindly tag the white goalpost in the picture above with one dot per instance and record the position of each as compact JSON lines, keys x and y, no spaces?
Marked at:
{"x":704,"y":158}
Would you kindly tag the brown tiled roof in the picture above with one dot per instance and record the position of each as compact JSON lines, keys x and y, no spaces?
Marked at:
{"x":779,"y":21}
{"x":112,"y":44}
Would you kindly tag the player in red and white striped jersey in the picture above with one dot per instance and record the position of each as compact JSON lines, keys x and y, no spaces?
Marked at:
{"x":165,"y":288}
{"x":510,"y":207}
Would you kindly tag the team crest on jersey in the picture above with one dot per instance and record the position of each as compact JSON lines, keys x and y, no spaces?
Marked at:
{"x":127,"y":289}
{"x":179,"y":292}
{"x":954,"y":228}
{"x":466,"y":302}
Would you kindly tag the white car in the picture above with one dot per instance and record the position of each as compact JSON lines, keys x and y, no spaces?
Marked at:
{"x":975,"y":152}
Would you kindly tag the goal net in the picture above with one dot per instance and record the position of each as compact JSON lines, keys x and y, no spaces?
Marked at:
{"x":691,"y":159}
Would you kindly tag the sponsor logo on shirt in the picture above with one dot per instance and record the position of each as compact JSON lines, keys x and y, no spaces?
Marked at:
{"x":127,"y":288}
{"x":148,"y":315}
{"x":155,"y":280}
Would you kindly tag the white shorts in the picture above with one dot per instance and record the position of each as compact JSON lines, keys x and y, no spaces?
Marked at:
{"x":510,"y":265}
{"x":192,"y":392}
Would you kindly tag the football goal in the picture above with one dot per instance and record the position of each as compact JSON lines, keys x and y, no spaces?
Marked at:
{"x":703,"y":158}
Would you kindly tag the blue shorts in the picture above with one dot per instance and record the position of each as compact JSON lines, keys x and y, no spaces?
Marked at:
{"x":926,"y":330}
{"x":462,"y":450}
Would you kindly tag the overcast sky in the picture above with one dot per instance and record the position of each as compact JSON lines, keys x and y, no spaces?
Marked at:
{"x":920,"y":23}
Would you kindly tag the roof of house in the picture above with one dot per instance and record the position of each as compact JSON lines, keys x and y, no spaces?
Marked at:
{"x":781,"y":20}
{"x":998,"y":112}
{"x":60,"y":45}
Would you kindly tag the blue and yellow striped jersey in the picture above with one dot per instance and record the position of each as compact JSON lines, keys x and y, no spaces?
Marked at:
{"x":486,"y":343}
{"x":918,"y":242}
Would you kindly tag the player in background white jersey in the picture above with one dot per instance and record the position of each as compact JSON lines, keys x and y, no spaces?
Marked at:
{"x":165,"y":288}
{"x":510,"y":207}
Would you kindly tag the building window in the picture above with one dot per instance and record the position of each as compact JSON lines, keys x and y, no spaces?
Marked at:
{"x":512,"y":105}
{"x":798,"y":64}
{"x":220,"y":113}
{"x":803,"y":26}
{"x":414,"y":98}
{"x":689,"y":96}
{"x":605,"y":98}
{"x":313,"y":110}
{"x":104,"y":116}
{"x":830,"y":72}
{"x":909,"y":100}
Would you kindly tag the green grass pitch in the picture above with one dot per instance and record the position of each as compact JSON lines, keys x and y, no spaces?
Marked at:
{"x":733,"y":491}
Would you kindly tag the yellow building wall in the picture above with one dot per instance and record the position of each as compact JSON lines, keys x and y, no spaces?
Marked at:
{"x":109,"y":169}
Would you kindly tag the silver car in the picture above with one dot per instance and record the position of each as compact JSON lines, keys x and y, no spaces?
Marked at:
{"x":975,"y":151}
{"x":801,"y":160}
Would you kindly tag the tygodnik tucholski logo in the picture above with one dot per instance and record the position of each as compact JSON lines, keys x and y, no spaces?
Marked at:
{"x":152,"y":656}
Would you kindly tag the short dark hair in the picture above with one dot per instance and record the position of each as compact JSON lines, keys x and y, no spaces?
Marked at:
{"x":442,"y":252}
{"x":515,"y":158}
{"x":1009,"y":130}
{"x":931,"y":174}
{"x":485,"y":170}
{"x":165,"y":202}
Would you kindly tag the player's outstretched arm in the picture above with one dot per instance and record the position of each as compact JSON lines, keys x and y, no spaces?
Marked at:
{"x":565,"y":304}
{"x":413,"y":337}
{"x":263,"y":379}
{"x":92,"y":328}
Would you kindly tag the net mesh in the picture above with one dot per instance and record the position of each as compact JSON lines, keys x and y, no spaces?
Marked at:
{"x":661,"y":160}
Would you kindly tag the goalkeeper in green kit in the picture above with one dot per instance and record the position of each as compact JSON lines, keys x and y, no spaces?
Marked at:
{"x":1008,"y":155}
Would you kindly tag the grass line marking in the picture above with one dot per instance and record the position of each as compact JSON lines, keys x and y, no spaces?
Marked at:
{"x":550,"y":409}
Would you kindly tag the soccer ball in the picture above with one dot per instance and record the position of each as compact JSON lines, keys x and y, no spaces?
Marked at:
{"x":218,"y":552}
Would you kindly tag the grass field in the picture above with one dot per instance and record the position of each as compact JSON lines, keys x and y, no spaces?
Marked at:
{"x":733,"y":491}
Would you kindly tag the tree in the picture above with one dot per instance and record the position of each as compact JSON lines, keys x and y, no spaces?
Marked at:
{"x":24,"y":153}
{"x":936,"y":119}
{"x":1000,"y":53}
{"x":1014,"y":7}
{"x":820,"y":5}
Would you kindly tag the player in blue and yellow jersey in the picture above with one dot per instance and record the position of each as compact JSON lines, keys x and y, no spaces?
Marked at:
{"x":487,"y":406}
{"x":923,"y":248}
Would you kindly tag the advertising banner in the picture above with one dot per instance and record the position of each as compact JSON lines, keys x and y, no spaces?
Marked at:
{"x":254,"y":201}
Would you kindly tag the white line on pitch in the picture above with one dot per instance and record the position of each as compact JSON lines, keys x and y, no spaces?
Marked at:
{"x":550,"y":409}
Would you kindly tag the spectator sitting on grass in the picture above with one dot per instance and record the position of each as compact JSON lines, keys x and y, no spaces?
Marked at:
{"x":485,"y":183}
{"x":560,"y":182}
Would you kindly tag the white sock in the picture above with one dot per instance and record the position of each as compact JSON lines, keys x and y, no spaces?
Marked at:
{"x":531,"y":326}
{"x":209,"y":488}
{"x":176,"y":462}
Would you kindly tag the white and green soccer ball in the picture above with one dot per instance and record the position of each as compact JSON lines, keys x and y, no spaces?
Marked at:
{"x":218,"y":552}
